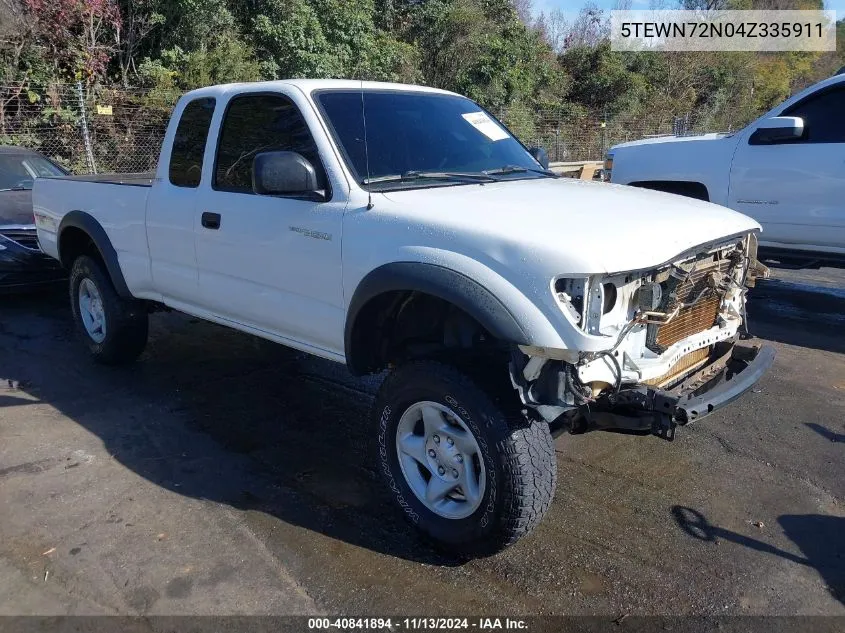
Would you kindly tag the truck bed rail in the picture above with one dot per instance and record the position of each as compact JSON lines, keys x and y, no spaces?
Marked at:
{"x":144,"y":179}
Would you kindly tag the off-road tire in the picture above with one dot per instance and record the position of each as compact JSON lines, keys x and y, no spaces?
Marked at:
{"x":518,"y":454}
{"x":126,"y":319}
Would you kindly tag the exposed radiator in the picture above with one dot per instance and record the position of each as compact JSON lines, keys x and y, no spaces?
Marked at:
{"x":695,"y":318}
{"x":686,"y":365}
{"x":692,"y":320}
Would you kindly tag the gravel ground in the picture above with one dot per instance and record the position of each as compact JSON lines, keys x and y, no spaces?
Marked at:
{"x":225,"y":475}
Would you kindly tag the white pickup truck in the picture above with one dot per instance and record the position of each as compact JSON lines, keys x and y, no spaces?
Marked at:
{"x":403,"y":229}
{"x":786,"y":170}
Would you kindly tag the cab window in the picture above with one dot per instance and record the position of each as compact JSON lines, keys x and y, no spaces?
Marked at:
{"x":261,"y":123}
{"x":189,"y":143}
{"x":823,"y":116}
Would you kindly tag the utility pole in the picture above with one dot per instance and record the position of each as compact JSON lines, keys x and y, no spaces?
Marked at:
{"x":83,"y":124}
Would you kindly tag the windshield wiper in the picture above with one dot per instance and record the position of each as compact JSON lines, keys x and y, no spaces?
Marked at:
{"x":16,"y":189}
{"x":410,"y":176}
{"x":516,"y":169}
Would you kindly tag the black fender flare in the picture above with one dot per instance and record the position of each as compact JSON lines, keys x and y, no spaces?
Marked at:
{"x":447,"y":284}
{"x":86,"y":222}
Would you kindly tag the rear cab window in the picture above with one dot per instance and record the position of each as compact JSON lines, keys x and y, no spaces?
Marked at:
{"x":186,"y":156}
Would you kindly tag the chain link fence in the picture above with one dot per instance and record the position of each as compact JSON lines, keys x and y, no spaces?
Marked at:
{"x":120,"y":130}
{"x":85,"y":130}
{"x":588,"y":138}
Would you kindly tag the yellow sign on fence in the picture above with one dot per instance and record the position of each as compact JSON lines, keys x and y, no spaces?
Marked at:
{"x":104,"y":110}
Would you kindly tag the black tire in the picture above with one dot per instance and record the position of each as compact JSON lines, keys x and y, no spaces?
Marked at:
{"x":518,"y":454}
{"x":126,"y":319}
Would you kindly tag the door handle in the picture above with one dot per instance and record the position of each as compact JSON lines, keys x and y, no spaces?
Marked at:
{"x":211,"y":220}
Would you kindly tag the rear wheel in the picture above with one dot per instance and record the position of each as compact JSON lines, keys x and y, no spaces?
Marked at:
{"x":465,"y":465}
{"x":113,"y":329}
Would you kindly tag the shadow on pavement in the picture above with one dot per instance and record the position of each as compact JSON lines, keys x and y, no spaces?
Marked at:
{"x":827,"y":433}
{"x":820,"y":538}
{"x":214,"y":414}
{"x":11,"y":401}
{"x":798,"y":314}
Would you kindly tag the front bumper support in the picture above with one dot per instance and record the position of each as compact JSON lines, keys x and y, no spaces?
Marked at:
{"x":757,"y":361}
{"x":717,"y":384}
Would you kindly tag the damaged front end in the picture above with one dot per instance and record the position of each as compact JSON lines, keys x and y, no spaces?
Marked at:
{"x":672,"y":350}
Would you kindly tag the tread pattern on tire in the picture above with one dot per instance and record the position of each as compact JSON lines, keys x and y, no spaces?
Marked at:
{"x":525,"y":448}
{"x":530,"y":452}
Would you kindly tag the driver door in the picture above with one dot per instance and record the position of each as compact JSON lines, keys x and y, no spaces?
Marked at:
{"x":270,"y":262}
{"x":796,"y":189}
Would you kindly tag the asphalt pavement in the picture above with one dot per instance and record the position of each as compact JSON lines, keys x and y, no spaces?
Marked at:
{"x":222,"y":474}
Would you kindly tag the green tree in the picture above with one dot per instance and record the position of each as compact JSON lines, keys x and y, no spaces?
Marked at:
{"x":194,"y":43}
{"x":327,"y":38}
{"x":599,"y":78}
{"x":482,"y":49}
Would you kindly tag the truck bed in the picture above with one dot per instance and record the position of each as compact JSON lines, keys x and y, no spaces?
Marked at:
{"x":117,"y":202}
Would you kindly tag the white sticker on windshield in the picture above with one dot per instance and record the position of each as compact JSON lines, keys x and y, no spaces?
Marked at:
{"x":486,"y":126}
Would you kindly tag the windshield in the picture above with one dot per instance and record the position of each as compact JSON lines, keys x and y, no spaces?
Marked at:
{"x":419,"y":139}
{"x":19,"y":171}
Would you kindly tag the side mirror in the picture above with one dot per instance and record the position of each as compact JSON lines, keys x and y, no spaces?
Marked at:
{"x":777,"y":129}
{"x":283,"y":173}
{"x":540,"y":156}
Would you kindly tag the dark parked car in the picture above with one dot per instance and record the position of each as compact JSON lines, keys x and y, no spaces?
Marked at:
{"x":22,"y":264}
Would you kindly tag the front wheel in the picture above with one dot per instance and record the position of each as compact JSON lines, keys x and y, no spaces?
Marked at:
{"x":464,"y":464}
{"x":113,"y":329}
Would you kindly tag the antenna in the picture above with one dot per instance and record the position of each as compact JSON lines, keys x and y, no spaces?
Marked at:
{"x":370,"y":204}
